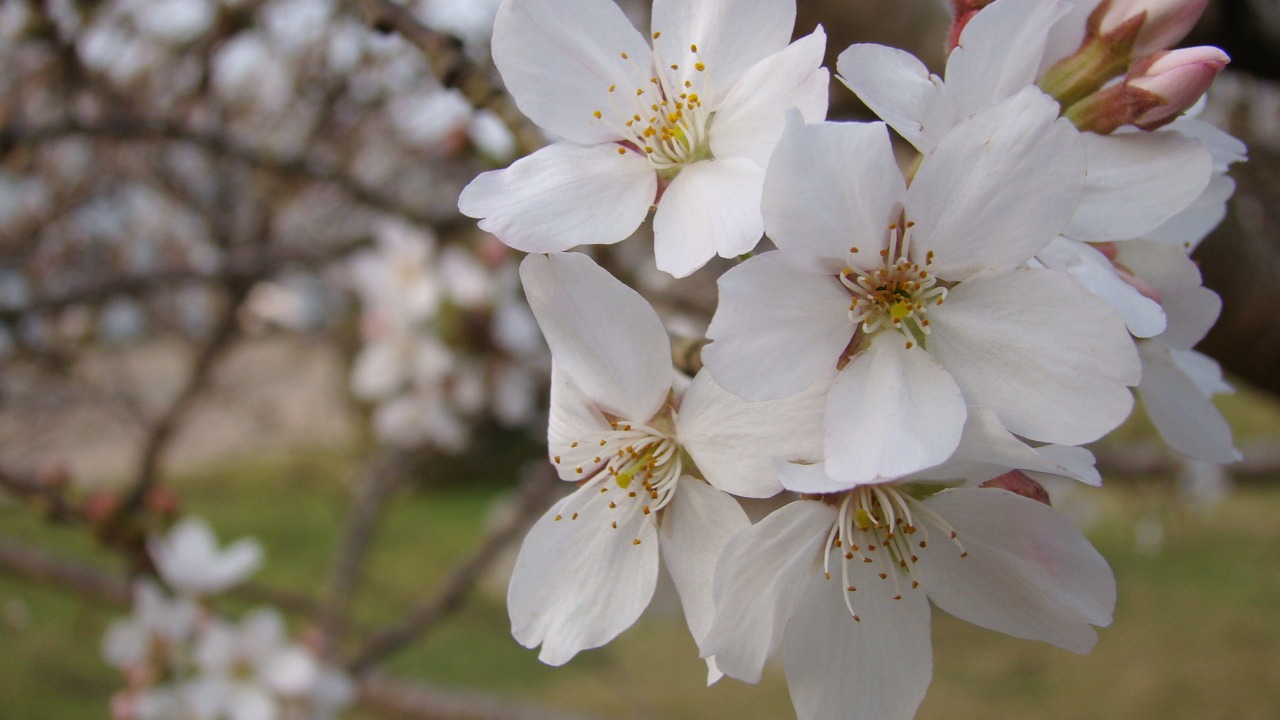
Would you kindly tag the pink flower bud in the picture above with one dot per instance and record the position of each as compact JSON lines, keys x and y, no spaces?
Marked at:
{"x":1166,"y":22}
{"x":1177,"y":78}
{"x":1018,"y":483}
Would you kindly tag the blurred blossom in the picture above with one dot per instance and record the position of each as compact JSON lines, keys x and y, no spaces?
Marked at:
{"x":189,"y":560}
{"x":293,"y":25}
{"x":177,"y":21}
{"x":492,"y":137}
{"x":122,"y":320}
{"x":248,"y":70}
{"x":469,"y":20}
{"x":428,"y":117}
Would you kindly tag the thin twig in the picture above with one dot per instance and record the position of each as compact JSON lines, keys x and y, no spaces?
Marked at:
{"x":535,"y":492}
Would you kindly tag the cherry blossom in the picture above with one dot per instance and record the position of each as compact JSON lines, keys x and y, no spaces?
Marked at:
{"x":635,"y":115}
{"x":190,"y":562}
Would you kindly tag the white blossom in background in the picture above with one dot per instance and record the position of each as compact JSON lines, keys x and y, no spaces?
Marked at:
{"x":190,"y":562}
{"x":635,"y":115}
{"x":648,"y":463}
{"x":154,"y":637}
{"x":921,"y":294}
{"x":840,"y":581}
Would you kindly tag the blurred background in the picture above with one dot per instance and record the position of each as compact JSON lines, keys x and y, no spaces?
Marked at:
{"x":234,"y":283}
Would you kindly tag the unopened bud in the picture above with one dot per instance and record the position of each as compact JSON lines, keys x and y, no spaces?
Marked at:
{"x":1178,"y":78}
{"x":1017,"y":482}
{"x":962,"y":11}
{"x":1164,"y":22}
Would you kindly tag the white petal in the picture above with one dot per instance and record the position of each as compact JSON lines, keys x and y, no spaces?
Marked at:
{"x":562,"y":196}
{"x":894,"y":84}
{"x":1136,"y":181}
{"x":379,"y":370}
{"x":578,"y":583}
{"x":236,"y":563}
{"x":892,"y":411}
{"x":693,"y":529}
{"x":777,"y":330}
{"x":750,"y":120}
{"x":558,"y":60}
{"x":1092,"y":269}
{"x":877,"y":668}
{"x":1188,"y":228}
{"x":758,"y":581}
{"x":998,"y":188}
{"x":809,"y":478}
{"x":999,"y":52}
{"x":1051,"y":359}
{"x":734,"y":442}
{"x":602,"y":334}
{"x":1191,"y":307}
{"x":987,"y":449}
{"x":832,"y":186}
{"x":1029,"y":572}
{"x":1184,"y":416}
{"x":1203,"y":370}
{"x":711,"y":208}
{"x":731,"y":35}
{"x":573,"y":419}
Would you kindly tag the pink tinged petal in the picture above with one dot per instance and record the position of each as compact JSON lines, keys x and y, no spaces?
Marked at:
{"x":734,"y":442}
{"x":778,"y":329}
{"x":573,"y":419}
{"x":558,"y":60}
{"x":752,"y":116}
{"x":1191,"y":307}
{"x":1048,"y":357}
{"x":731,"y":35}
{"x":892,"y":411}
{"x":602,"y":334}
{"x":758,"y":581}
{"x":998,"y":188}
{"x":562,"y":196}
{"x":831,"y":187}
{"x":896,"y":86}
{"x":1185,"y":417}
{"x":875,"y":668}
{"x":999,"y":53}
{"x":1088,"y":266}
{"x":711,"y":208}
{"x":578,"y":583}
{"x":1136,"y":181}
{"x":693,"y":529}
{"x":1029,"y":572}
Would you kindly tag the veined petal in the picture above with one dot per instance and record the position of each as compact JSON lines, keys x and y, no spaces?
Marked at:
{"x":1185,"y":417}
{"x":579,"y":582}
{"x":895,"y":85}
{"x":999,"y":52}
{"x":1029,"y":572}
{"x":693,"y":529}
{"x":998,"y":188}
{"x":731,"y":35}
{"x":559,"y":59}
{"x":1136,"y":181}
{"x":734,"y":442}
{"x":711,"y":208}
{"x":1048,"y":357}
{"x":875,"y":668}
{"x":562,"y":196}
{"x":573,"y":417}
{"x":759,"y":579}
{"x":777,"y":330}
{"x":830,"y":187}
{"x":602,"y":334}
{"x":893,"y":410}
{"x":754,"y":112}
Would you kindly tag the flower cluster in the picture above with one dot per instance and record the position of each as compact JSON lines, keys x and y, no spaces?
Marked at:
{"x":918,"y":354}
{"x":184,"y":662}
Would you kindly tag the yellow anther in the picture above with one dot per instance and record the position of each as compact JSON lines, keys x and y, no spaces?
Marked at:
{"x":700,"y":67}
{"x":657,"y":35}
{"x":598,"y":114}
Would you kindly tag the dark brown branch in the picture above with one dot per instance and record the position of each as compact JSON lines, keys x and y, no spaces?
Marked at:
{"x":535,"y":492}
{"x":35,"y":564}
{"x":453,"y":68}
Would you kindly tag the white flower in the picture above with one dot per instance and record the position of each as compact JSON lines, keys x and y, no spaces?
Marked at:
{"x":841,"y":584}
{"x":587,"y":568}
{"x":155,"y":636}
{"x":636,"y":122}
{"x":920,"y":294}
{"x":1136,"y":180}
{"x":189,"y":561}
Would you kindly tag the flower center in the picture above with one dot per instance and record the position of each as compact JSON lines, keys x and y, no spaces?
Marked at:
{"x":663,"y":118}
{"x":640,"y":464}
{"x":880,"y":522}
{"x":898,"y":293}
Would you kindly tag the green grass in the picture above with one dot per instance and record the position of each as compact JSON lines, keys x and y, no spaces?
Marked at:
{"x":1197,"y":630}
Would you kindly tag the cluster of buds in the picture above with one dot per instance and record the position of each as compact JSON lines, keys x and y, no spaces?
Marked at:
{"x":1123,"y":72}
